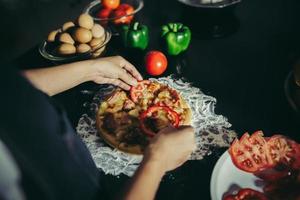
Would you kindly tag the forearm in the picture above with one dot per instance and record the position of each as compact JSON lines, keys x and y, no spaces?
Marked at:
{"x":54,"y":80}
{"x":145,"y":182}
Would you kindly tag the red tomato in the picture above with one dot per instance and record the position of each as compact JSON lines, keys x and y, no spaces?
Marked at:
{"x":137,"y":91}
{"x":284,"y":151}
{"x":246,"y":194}
{"x":151,"y":113}
{"x":249,"y":153}
{"x":121,"y":14}
{"x":229,"y":197}
{"x":156,"y":63}
{"x":256,"y":154}
{"x":111,"y":4}
{"x":104,"y":13}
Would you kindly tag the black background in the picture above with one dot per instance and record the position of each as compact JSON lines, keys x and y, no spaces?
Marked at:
{"x":245,"y":70}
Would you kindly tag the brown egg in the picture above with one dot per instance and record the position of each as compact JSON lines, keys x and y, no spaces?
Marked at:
{"x":98,"y":31}
{"x":66,"y":49}
{"x":96,"y":42}
{"x":66,"y":38}
{"x":67,"y":25}
{"x":82,"y":35}
{"x":85,"y":21}
{"x":82,"y":48}
{"x":52,"y":35}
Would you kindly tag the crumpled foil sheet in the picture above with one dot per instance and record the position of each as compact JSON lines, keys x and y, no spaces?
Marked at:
{"x":211,"y":129}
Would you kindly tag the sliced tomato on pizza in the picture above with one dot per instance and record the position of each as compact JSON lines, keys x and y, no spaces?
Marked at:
{"x":156,"y":118}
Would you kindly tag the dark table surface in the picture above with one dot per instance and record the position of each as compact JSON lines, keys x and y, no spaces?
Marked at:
{"x":244,"y":69}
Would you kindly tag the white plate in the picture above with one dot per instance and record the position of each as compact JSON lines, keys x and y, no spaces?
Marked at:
{"x":226,"y":177}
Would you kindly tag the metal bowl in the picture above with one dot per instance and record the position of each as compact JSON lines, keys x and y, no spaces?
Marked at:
{"x":209,"y":3}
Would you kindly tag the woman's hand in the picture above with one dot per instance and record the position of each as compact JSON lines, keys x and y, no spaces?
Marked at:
{"x":171,"y":147}
{"x":114,"y":70}
{"x":168,"y":150}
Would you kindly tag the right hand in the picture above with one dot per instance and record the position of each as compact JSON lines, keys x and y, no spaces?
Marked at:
{"x":114,"y":70}
{"x":171,"y":147}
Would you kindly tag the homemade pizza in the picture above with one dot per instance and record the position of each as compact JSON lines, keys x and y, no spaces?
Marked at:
{"x":127,"y":120}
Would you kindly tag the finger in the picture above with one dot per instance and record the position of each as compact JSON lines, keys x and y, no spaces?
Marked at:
{"x":127,"y":78}
{"x":120,"y":84}
{"x":130,"y":68}
{"x":115,"y":82}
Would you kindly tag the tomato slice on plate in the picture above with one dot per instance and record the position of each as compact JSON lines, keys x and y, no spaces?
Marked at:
{"x":149,"y":119}
{"x":249,"y":153}
{"x":255,"y":153}
{"x":137,"y":92}
{"x":285,"y":151}
{"x":246,"y":194}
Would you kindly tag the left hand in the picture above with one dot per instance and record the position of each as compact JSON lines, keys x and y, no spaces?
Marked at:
{"x":114,"y":70}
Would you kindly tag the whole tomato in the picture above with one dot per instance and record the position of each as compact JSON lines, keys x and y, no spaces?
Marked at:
{"x":104,"y":13}
{"x":111,"y":4}
{"x":156,"y":63}
{"x":121,"y":14}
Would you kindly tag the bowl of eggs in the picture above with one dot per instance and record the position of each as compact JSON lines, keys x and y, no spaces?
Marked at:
{"x":81,"y":40}
{"x":114,"y":12}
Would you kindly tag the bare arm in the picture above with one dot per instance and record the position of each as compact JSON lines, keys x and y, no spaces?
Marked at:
{"x":113,"y":70}
{"x":54,"y":80}
{"x":145,"y":182}
{"x":167,"y":151}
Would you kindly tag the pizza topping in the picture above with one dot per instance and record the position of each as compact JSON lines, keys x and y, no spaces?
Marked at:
{"x":157,"y":117}
{"x":109,"y":123}
{"x":103,"y":108}
{"x":134,"y":113}
{"x":134,"y":136}
{"x":137,"y":91}
{"x":128,"y":104}
{"x":117,"y":98}
{"x":115,"y":102}
{"x":144,"y":90}
{"x":124,"y":119}
{"x":167,"y":96}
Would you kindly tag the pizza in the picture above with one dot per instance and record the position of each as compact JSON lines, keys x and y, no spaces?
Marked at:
{"x":128,"y":120}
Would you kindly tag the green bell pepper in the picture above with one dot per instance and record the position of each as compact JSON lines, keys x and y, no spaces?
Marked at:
{"x":135,"y":35}
{"x":176,"y":38}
